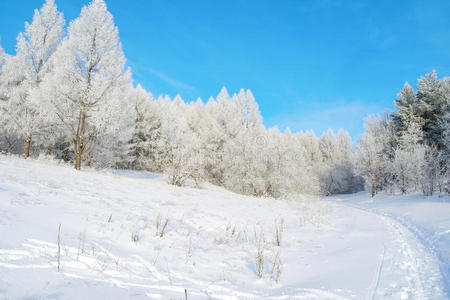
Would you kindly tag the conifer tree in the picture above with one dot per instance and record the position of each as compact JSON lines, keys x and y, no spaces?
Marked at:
{"x":432,"y":95}
{"x":408,"y":110}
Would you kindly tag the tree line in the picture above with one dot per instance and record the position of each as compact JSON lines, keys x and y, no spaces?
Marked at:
{"x":409,"y":149}
{"x":67,"y":93}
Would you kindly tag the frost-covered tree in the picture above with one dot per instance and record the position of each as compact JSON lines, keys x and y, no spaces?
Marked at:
{"x":409,"y":158}
{"x":5,"y":143}
{"x":114,"y":129}
{"x":350,"y":182}
{"x":180,"y":151}
{"x":329,"y":147}
{"x":213,"y":140}
{"x":337,"y":169}
{"x":433,"y":95}
{"x":272,"y":152}
{"x":154,"y":142}
{"x":3,"y":92}
{"x":300,"y":175}
{"x":409,"y":148}
{"x":408,"y":110}
{"x":140,"y":143}
{"x":310,"y":144}
{"x":248,"y":109}
{"x":371,"y":153}
{"x":445,"y":125}
{"x":88,"y":85}
{"x":433,"y":172}
{"x":2,"y":57}
{"x":244,"y":164}
{"x":223,"y":118}
{"x":24,"y":72}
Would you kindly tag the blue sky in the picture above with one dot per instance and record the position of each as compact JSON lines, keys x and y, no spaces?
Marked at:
{"x":310,"y":64}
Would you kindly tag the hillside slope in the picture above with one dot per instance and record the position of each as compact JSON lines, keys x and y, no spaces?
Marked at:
{"x":115,"y":242}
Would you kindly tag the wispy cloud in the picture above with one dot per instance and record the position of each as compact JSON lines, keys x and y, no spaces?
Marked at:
{"x":171,"y":81}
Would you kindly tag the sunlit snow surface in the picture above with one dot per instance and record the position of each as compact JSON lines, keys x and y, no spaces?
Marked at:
{"x":347,"y":247}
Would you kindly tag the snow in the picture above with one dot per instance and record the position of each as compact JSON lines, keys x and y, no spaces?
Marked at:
{"x":346,"y":247}
{"x":427,"y":218}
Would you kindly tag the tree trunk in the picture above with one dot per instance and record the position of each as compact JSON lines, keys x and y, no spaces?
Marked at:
{"x":26,"y":150}
{"x":79,"y":141}
{"x":66,"y":155}
{"x":89,"y":160}
{"x":77,"y":161}
{"x":50,"y":150}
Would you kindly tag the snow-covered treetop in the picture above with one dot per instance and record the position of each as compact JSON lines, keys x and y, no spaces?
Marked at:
{"x":223,"y":95}
{"x":95,"y":40}
{"x":406,"y":97}
{"x":40,"y":39}
{"x":2,"y":57}
{"x":90,"y":60}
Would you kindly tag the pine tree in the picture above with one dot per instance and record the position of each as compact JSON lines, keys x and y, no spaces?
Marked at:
{"x":444,"y":123}
{"x":433,"y":98}
{"x":408,"y":110}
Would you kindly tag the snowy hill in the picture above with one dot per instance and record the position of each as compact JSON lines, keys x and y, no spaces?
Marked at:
{"x":131,"y":235}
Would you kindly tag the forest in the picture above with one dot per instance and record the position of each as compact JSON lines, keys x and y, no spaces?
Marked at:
{"x":67,"y":93}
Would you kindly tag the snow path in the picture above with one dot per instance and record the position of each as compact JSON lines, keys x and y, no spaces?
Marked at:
{"x":412,"y":253}
{"x":329,"y":249}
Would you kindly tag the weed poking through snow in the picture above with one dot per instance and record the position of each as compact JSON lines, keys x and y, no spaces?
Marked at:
{"x":161,"y":225}
{"x":277,"y":266}
{"x":135,"y":237}
{"x":279,"y":224}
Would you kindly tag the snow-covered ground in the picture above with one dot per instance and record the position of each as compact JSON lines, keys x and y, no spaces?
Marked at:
{"x":115,"y":245}
{"x":426,"y":222}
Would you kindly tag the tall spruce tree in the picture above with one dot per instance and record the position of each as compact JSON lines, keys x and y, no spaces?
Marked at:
{"x":433,"y":98}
